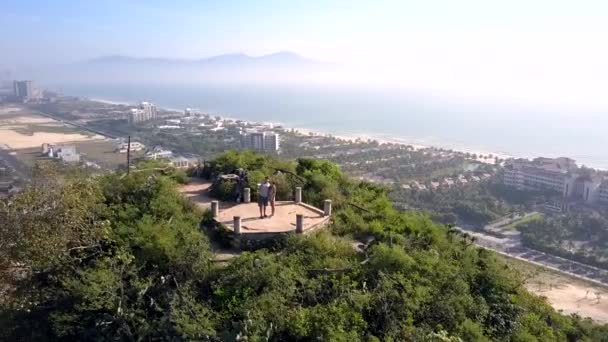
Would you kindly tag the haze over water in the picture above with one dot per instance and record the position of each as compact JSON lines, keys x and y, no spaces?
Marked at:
{"x":410,"y":116}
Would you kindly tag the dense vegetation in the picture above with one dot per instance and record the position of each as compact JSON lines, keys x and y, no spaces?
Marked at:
{"x":122,"y":258}
{"x":474,"y":204}
{"x":579,"y":236}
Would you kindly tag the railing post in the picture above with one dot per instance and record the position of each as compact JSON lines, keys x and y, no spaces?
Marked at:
{"x":298,"y":194}
{"x":299,"y":223}
{"x":237,"y":224}
{"x":215,"y":208}
{"x":327,"y":208}
{"x":247,"y":195}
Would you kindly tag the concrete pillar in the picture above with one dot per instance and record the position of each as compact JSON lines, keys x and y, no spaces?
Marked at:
{"x":247,"y":195}
{"x":237,"y":224}
{"x":299,"y":223}
{"x":298,"y":194}
{"x":215,"y":208}
{"x":327,"y":207}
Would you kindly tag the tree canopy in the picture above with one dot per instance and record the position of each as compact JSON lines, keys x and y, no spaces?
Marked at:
{"x":122,"y":257}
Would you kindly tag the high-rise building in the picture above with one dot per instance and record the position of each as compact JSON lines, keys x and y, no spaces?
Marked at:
{"x":145,"y":112}
{"x":271,"y":142}
{"x":261,"y":141}
{"x":257,"y":140}
{"x":23,"y":90}
{"x":137,"y":115}
{"x":149,"y":110}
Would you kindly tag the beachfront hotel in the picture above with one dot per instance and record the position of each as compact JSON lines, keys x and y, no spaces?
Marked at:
{"x":558,"y":174}
{"x":261,"y":141}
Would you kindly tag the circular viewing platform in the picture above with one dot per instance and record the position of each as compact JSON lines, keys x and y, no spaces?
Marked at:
{"x":283,"y":221}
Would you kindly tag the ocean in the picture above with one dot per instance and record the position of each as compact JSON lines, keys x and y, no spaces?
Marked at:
{"x":406,"y":116}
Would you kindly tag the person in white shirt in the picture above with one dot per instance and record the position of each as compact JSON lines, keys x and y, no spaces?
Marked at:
{"x":263,"y":192}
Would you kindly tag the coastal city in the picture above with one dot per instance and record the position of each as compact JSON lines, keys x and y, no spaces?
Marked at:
{"x":269,"y":171}
{"x":507,"y":204}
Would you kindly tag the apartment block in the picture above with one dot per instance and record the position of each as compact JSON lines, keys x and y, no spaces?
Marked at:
{"x":146,"y":111}
{"x":261,"y":141}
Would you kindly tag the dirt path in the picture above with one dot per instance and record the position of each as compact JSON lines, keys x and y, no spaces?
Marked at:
{"x":197,"y":191}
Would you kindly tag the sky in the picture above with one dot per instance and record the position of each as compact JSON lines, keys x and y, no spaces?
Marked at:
{"x":538,"y":50}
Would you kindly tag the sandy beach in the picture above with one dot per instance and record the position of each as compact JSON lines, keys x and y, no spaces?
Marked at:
{"x":399,"y":141}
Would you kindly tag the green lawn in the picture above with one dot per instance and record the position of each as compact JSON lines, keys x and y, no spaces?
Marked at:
{"x":533,"y":217}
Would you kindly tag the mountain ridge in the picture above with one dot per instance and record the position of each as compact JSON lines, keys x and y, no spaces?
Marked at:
{"x":238,"y":57}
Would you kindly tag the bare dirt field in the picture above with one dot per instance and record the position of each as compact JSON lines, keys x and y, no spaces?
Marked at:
{"x":22,"y":128}
{"x":565,"y":293}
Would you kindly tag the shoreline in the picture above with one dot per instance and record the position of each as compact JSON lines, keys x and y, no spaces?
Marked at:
{"x":379,"y":137}
{"x":399,"y":141}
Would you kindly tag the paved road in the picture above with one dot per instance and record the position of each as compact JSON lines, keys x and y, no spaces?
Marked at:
{"x":512,"y":246}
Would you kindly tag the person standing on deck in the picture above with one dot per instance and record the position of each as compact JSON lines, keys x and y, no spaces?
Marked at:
{"x":263,"y":191}
{"x":272,"y":193}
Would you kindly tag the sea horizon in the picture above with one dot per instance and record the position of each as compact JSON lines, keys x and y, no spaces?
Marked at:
{"x":322,"y":111}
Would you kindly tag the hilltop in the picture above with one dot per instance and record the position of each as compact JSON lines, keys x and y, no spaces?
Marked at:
{"x":122,"y":257}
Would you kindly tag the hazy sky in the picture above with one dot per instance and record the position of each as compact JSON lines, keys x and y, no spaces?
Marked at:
{"x":544,"y":50}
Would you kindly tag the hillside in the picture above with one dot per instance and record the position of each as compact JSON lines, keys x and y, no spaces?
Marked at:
{"x":121,"y":257}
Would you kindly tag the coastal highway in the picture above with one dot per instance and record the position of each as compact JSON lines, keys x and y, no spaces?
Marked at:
{"x":511,"y":246}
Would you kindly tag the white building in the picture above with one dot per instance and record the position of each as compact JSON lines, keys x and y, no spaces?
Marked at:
{"x":261,"y":141}
{"x":559,"y":174}
{"x":145,"y":112}
{"x":135,"y":146}
{"x":542,"y":173}
{"x":159,"y":153}
{"x":181,"y":162}
{"x":67,"y":153}
{"x":149,"y":109}
{"x":591,"y":190}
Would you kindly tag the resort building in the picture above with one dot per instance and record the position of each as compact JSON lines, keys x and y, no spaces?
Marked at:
{"x":541,"y":174}
{"x":561,"y":175}
{"x":261,"y":141}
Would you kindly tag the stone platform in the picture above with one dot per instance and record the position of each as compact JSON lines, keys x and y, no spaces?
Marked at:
{"x":284,"y":220}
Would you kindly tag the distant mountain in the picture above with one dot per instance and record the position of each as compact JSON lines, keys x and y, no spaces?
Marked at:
{"x":285,"y":65}
{"x":283,"y":58}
